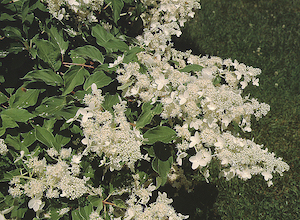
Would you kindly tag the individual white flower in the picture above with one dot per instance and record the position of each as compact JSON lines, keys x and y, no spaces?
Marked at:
{"x":35,"y":204}
{"x":195,"y":139}
{"x":76,"y":159}
{"x":202,"y":158}
{"x":161,"y":81}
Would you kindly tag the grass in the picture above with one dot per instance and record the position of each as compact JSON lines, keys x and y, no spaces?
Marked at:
{"x":263,"y":34}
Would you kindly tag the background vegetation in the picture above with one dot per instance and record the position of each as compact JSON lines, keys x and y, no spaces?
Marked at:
{"x":263,"y":34}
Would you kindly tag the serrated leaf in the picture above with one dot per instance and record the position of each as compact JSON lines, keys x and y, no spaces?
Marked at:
{"x":99,"y":78}
{"x":19,"y":115}
{"x":74,"y":77}
{"x":51,"y":105}
{"x":48,"y":53}
{"x":46,"y":137}
{"x":191,"y":67}
{"x":24,"y":98}
{"x":56,"y":37}
{"x":47,"y":76}
{"x":159,"y":133}
{"x":88,"y":51}
{"x":148,"y":112}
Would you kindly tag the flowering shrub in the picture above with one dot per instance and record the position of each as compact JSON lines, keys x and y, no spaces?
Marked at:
{"x":134,"y":105}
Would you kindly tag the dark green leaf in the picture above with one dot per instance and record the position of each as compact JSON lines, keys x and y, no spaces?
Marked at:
{"x":130,"y":56}
{"x":159,"y":133}
{"x":101,"y":35}
{"x":19,"y":115}
{"x":8,"y":122}
{"x":48,"y":53}
{"x":14,"y":141}
{"x":3,"y":98}
{"x":99,"y":78}
{"x":162,"y":168}
{"x":110,"y":101}
{"x":88,"y":51}
{"x":24,"y":98}
{"x":148,"y":112}
{"x":29,"y":138}
{"x":47,"y":76}
{"x":12,"y":32}
{"x":56,"y":37}
{"x":62,"y":140}
{"x":6,"y":17}
{"x":51,"y":105}
{"x":46,"y":137}
{"x":74,"y":77}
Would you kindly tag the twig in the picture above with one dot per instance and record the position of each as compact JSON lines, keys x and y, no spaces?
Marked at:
{"x":78,"y":64}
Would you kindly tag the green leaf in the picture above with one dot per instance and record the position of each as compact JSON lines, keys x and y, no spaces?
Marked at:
{"x":159,"y":133}
{"x":130,"y":56}
{"x":101,"y":35}
{"x":12,"y":32}
{"x":8,"y":122}
{"x":13,"y":141}
{"x":3,"y":98}
{"x":99,"y":78}
{"x":51,"y":105}
{"x":28,"y":138}
{"x":88,"y":51}
{"x":47,"y":76}
{"x":191,"y":67}
{"x":96,"y":202}
{"x":162,"y":168}
{"x":48,"y":53}
{"x":19,"y":115}
{"x":110,"y":101}
{"x":148,"y":112}
{"x":56,"y":37}
{"x":62,"y":140}
{"x":6,"y":17}
{"x":46,"y":138}
{"x":116,"y":45}
{"x":74,"y":77}
{"x":24,"y":98}
{"x":117,"y":6}
{"x":107,"y":40}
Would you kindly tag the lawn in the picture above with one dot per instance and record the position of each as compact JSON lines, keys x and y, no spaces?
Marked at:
{"x":263,"y":34}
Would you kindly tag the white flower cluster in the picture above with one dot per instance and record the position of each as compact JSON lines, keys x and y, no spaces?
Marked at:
{"x":138,"y":207}
{"x":3,"y":147}
{"x":246,"y":158}
{"x":108,"y":134}
{"x":82,"y":8}
{"x":204,"y":92}
{"x":53,"y":180}
{"x":162,"y":19}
